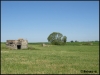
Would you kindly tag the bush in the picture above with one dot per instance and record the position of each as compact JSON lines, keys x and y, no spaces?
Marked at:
{"x":30,"y":48}
{"x":76,"y":41}
{"x":88,"y":43}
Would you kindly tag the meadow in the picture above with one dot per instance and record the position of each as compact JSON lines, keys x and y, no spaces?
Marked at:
{"x":72,"y":58}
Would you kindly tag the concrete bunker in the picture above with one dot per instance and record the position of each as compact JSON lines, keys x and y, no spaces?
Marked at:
{"x":17,"y":44}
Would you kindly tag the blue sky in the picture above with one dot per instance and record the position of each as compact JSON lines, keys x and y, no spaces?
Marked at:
{"x":35,"y":20}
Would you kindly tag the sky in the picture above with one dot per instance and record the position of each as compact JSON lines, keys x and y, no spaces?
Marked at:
{"x":35,"y":20}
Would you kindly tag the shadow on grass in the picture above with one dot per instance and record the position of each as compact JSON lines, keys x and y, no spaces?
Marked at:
{"x":30,"y":48}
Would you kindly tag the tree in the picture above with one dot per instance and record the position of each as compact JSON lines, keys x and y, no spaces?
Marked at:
{"x":76,"y":41}
{"x":64,"y":39}
{"x":56,"y":38}
{"x":71,"y":41}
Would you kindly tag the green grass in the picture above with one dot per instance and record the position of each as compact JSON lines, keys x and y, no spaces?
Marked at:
{"x":66,"y":59}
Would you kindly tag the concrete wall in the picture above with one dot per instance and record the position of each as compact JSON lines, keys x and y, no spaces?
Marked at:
{"x":24,"y":44}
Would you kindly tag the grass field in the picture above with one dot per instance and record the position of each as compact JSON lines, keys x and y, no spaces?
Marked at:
{"x":68,"y":59}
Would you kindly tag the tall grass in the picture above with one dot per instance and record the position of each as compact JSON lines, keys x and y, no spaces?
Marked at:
{"x":67,"y":59}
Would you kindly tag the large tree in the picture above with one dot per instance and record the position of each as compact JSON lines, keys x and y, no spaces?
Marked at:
{"x":56,"y":38}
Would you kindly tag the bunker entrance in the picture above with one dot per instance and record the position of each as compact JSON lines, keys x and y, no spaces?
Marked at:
{"x":18,"y":46}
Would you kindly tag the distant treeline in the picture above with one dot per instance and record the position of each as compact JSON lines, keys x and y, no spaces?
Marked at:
{"x":67,"y":43}
{"x":72,"y":43}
